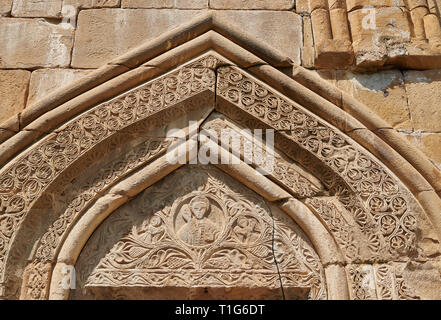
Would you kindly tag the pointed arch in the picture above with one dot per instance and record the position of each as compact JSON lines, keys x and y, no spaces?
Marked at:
{"x":374,"y":179}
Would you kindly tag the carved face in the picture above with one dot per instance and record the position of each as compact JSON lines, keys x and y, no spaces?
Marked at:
{"x":199,"y":206}
{"x":155,"y":221}
{"x":242,"y":222}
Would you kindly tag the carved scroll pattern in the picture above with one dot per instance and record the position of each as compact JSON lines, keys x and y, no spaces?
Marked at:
{"x":23,"y":182}
{"x":382,"y":210}
{"x":342,"y":229}
{"x":96,"y":184}
{"x":79,"y":198}
{"x":213,"y":232}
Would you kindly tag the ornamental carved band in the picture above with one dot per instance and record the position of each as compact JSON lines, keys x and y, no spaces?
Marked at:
{"x":196,"y":226}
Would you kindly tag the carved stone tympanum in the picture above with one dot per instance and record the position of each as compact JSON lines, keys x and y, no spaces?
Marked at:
{"x":199,"y":228}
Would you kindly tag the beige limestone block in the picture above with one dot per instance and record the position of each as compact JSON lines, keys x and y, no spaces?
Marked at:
{"x":44,"y":81}
{"x":13,"y":91}
{"x":387,"y":22}
{"x":92,"y":3}
{"x":424,"y":95}
{"x":302,"y":7}
{"x":308,"y":43}
{"x":321,"y":25}
{"x":339,"y":23}
{"x":432,"y":28}
{"x":37,"y":8}
{"x":424,"y":279}
{"x":252,"y":4}
{"x":124,"y":29}
{"x":178,"y":4}
{"x":5,"y":7}
{"x":429,"y":143}
{"x":417,"y":16}
{"x":30,"y":43}
{"x":383,"y":92}
{"x":283,"y":30}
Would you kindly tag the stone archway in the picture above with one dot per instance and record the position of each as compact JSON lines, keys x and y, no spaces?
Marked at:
{"x":358,"y":212}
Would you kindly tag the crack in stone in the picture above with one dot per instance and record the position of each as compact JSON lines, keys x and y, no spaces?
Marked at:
{"x":272,"y":217}
{"x":274,"y":255}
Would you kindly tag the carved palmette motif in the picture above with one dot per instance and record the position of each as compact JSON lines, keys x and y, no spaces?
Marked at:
{"x":209,"y":232}
{"x":379,"y":281}
{"x":378,"y":203}
{"x":27,"y":178}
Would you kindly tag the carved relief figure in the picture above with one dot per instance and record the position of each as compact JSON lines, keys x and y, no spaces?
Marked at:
{"x":212,"y":232}
{"x":151,"y":230}
{"x":247,"y":229}
{"x":198,"y":229}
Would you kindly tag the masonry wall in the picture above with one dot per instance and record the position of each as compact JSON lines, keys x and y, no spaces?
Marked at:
{"x":387,"y":54}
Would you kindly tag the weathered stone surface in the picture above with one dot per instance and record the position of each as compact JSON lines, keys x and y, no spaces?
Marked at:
{"x":92,"y":3}
{"x":37,"y":8}
{"x":383,"y":92}
{"x":356,"y":4}
{"x":44,"y":81}
{"x":429,"y":143}
{"x":382,"y":36}
{"x":99,"y":186}
{"x":424,"y":279}
{"x":335,"y":54}
{"x":31,"y":43}
{"x":13,"y":90}
{"x":5,"y":7}
{"x":252,"y":4}
{"x":283,"y":30}
{"x":92,"y":49}
{"x":302,"y":6}
{"x":308,"y":43}
{"x":424,"y":94}
{"x":199,"y":218}
{"x":178,"y":4}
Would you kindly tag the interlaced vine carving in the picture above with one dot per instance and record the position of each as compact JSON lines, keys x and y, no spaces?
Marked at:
{"x":283,"y":169}
{"x":26,"y":179}
{"x":209,"y":232}
{"x":382,"y":203}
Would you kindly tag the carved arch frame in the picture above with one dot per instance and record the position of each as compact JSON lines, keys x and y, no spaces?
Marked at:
{"x":203,"y":73}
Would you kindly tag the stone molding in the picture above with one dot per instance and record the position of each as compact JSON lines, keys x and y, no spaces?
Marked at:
{"x":21,"y":131}
{"x":307,"y":115}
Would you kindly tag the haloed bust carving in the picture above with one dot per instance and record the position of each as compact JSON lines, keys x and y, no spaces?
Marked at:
{"x":198,"y":229}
